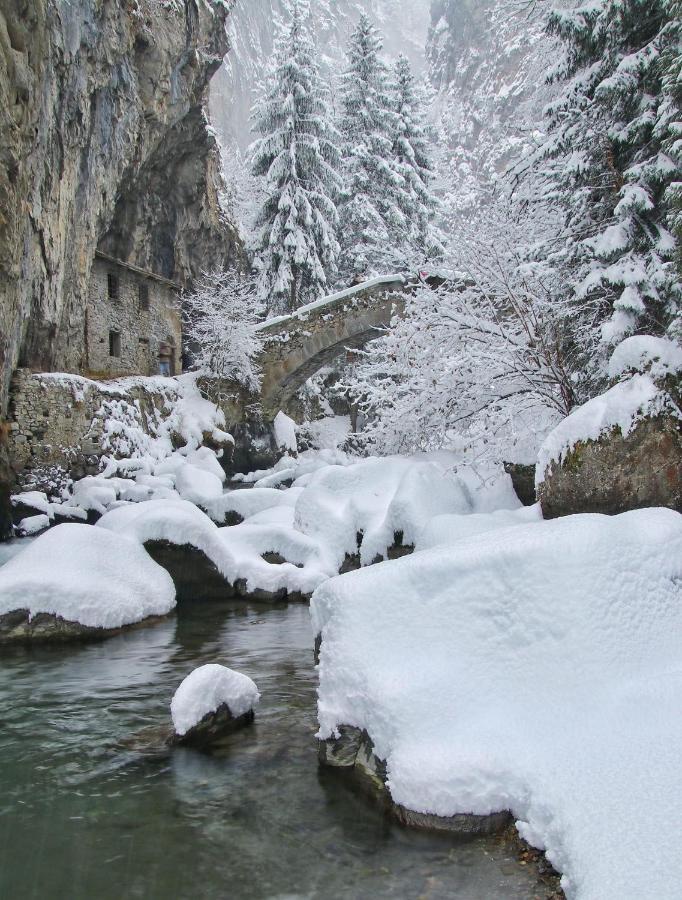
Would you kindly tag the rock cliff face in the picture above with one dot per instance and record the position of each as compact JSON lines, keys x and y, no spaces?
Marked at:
{"x":103,"y":143}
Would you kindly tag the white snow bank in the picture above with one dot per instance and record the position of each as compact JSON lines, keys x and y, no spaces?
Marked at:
{"x":622,"y":406}
{"x":34,"y":500}
{"x":198,"y":485}
{"x":208,"y":688}
{"x":285,"y":433}
{"x":378,"y":497}
{"x":235,"y":551}
{"x":86,"y":575}
{"x":247,"y":503}
{"x":533,"y":668}
{"x":176,"y":521}
{"x":640,"y":353}
{"x":288,"y":468}
{"x":448,"y":529}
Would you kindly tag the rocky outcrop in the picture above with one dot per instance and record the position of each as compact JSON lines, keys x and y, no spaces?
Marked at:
{"x":616,"y":473}
{"x":104,"y":142}
{"x":523,"y":481}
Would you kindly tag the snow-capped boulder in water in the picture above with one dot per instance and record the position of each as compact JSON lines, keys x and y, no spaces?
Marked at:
{"x":211,"y":702}
{"x":76,"y":581}
{"x":623,"y":449}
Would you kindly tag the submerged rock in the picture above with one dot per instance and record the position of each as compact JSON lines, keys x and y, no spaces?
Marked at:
{"x":20,"y":627}
{"x":214,"y":726}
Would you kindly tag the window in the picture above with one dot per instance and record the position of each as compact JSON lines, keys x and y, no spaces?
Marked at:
{"x":115,"y":343}
{"x":143,"y":289}
{"x":112,"y":286}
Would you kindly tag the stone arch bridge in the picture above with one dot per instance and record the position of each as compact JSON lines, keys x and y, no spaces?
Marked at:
{"x":298,"y":345}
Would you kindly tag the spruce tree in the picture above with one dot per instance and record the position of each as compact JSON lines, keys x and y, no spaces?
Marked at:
{"x":610,"y":164}
{"x":370,"y":212}
{"x":411,"y":154}
{"x":298,"y":159}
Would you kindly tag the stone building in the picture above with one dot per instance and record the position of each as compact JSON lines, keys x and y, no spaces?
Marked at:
{"x":133,"y":322}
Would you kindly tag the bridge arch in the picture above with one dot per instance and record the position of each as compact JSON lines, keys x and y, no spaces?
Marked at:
{"x":298,"y":345}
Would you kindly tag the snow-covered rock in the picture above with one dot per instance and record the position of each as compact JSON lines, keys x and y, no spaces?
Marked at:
{"x":243,"y":504}
{"x":285,"y":433}
{"x":198,"y":485}
{"x":84,"y":577}
{"x":533,"y":668}
{"x":33,"y":524}
{"x":234,"y":553}
{"x":621,"y":450}
{"x":211,"y":700}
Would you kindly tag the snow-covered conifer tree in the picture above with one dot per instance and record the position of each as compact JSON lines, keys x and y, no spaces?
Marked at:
{"x":297,"y":157}
{"x":371,"y":210}
{"x":412,"y":157}
{"x":610,"y":167}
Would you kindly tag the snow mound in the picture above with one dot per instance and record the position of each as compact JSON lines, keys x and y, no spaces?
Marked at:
{"x":248,"y":503}
{"x":33,"y":524}
{"x":34,"y":500}
{"x":449,"y":529}
{"x":533,"y":668}
{"x":236,"y":552}
{"x":198,"y":485}
{"x":642,"y":353}
{"x":622,"y":406}
{"x":208,"y":688}
{"x":377,"y":498}
{"x":290,"y":469}
{"x":86,"y":575}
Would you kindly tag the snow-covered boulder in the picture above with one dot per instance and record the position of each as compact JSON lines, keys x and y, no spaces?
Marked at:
{"x":33,"y":525}
{"x":533,"y":668}
{"x":80,"y":581}
{"x":211,"y":702}
{"x":207,"y":562}
{"x":182,"y":539}
{"x":284,"y":430}
{"x":623,"y":449}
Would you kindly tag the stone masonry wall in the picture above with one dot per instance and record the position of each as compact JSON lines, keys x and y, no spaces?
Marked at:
{"x":142,"y":331}
{"x":57,"y":422}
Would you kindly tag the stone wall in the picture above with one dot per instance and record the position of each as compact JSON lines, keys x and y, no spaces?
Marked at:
{"x":144,"y":331}
{"x":56,"y":422}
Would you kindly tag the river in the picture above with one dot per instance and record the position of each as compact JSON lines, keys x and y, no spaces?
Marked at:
{"x":86,"y":813}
